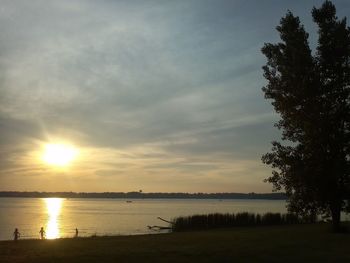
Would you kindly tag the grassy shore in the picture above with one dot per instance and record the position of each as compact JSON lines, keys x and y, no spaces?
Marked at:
{"x":292,"y":243}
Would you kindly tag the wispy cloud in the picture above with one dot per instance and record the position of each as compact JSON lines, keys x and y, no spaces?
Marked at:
{"x":158,"y":95}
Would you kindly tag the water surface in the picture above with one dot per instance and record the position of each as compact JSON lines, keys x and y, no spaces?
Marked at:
{"x":60,"y":217}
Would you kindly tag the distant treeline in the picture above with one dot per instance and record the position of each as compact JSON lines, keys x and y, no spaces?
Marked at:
{"x":269,"y":196}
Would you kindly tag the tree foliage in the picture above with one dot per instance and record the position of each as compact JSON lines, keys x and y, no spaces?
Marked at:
{"x":311,"y":92}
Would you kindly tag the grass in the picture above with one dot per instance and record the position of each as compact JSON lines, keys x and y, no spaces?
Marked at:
{"x":218,"y":220}
{"x":288,"y":243}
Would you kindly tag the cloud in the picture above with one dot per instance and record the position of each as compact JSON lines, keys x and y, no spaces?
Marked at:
{"x":150,"y":91}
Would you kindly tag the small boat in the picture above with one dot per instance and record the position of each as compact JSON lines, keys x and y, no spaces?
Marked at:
{"x":128,"y":201}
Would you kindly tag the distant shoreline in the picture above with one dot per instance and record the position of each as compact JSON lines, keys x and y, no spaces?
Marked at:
{"x":140,"y":195}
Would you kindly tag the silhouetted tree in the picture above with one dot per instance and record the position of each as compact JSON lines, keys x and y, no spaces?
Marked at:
{"x":311,"y":94}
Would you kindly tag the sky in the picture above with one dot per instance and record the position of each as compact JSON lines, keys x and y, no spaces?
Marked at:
{"x":159,"y":96}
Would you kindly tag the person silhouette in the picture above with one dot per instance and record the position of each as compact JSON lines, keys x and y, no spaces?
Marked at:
{"x":42,"y":233}
{"x":16,"y":234}
{"x":76,"y":232}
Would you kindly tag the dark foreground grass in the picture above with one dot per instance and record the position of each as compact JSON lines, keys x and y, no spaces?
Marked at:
{"x":290,"y":243}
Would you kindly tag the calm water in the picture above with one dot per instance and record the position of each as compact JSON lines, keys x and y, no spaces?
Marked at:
{"x":60,"y":217}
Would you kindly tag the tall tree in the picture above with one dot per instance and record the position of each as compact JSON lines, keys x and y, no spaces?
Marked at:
{"x":312,"y":95}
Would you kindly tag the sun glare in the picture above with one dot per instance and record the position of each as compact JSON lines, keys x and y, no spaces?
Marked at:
{"x":53,"y":206}
{"x":59,"y":154}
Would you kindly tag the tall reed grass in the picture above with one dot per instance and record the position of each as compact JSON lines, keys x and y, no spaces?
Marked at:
{"x":218,"y":220}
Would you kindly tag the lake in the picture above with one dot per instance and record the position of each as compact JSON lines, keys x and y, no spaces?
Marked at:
{"x":60,"y":216}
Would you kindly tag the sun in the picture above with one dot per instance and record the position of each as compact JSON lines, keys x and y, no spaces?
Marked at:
{"x":59,"y":154}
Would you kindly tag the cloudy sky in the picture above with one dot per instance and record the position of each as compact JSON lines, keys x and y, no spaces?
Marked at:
{"x":156,"y":95}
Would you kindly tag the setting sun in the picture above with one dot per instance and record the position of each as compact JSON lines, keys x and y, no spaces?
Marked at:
{"x":59,"y":154}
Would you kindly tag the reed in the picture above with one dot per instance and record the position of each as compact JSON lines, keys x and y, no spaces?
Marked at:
{"x":217,"y":220}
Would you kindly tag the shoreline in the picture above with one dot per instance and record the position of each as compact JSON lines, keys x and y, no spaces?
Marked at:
{"x":142,"y":195}
{"x":85,"y":237}
{"x":292,"y":243}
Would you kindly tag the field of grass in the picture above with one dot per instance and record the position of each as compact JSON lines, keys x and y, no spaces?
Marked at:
{"x":290,"y":243}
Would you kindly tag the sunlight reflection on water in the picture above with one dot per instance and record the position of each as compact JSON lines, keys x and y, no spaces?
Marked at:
{"x":59,"y":217}
{"x":53,"y":207}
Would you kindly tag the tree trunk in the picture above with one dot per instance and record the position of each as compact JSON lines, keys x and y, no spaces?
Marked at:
{"x":335,"y":212}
